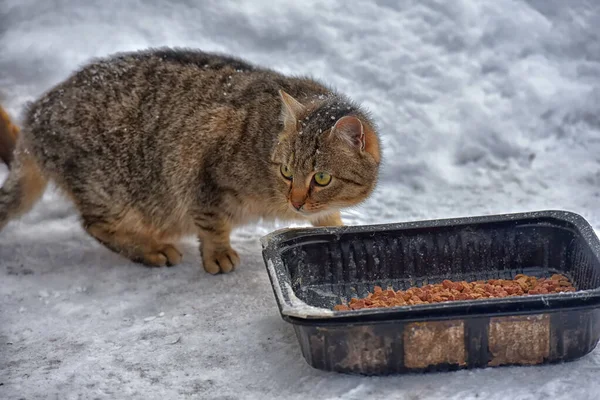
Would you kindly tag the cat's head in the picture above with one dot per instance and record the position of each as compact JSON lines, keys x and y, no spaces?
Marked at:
{"x":327,"y":156}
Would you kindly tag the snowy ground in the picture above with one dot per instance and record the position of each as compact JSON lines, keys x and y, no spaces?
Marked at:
{"x":485,"y":106}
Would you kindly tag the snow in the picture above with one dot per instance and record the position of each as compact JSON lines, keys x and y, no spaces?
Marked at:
{"x":485,"y":107}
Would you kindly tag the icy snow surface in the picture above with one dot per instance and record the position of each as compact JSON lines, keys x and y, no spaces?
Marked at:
{"x":485,"y":106}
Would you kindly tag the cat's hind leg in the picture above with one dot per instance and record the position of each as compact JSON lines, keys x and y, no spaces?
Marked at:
{"x":133,"y":241}
{"x":23,"y":187}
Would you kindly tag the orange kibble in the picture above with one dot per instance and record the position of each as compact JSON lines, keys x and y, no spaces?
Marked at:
{"x":447,"y":283}
{"x":448,"y":290}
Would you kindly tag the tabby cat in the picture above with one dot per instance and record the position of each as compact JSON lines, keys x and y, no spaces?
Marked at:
{"x":155,"y":144}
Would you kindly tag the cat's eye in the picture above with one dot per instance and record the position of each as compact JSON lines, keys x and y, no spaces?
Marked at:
{"x":322,"y":178}
{"x":286,"y":171}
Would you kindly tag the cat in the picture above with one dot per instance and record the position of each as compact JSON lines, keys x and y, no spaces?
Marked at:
{"x":154,"y":144}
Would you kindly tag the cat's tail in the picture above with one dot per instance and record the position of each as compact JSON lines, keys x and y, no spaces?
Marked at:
{"x":25,"y":183}
{"x":8,"y":137}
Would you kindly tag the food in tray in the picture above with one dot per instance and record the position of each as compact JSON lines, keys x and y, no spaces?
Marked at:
{"x":521,"y":285}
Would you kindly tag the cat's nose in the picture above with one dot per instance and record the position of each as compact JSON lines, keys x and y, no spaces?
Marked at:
{"x":297,"y":204}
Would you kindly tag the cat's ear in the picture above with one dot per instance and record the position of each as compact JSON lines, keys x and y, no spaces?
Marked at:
{"x":291,"y":110}
{"x":351,"y":130}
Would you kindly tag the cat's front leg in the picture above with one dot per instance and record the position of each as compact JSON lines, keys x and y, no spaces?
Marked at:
{"x":334,"y":219}
{"x":215,"y":247}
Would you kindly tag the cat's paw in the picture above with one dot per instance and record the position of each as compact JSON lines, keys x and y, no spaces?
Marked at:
{"x":220,"y":260}
{"x":334,"y":219}
{"x":164,"y":255}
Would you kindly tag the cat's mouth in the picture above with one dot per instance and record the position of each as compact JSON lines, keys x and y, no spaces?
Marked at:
{"x":301,"y":209}
{"x":310,"y":212}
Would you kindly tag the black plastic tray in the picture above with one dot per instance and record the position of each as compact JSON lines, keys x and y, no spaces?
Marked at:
{"x":313,"y":269}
